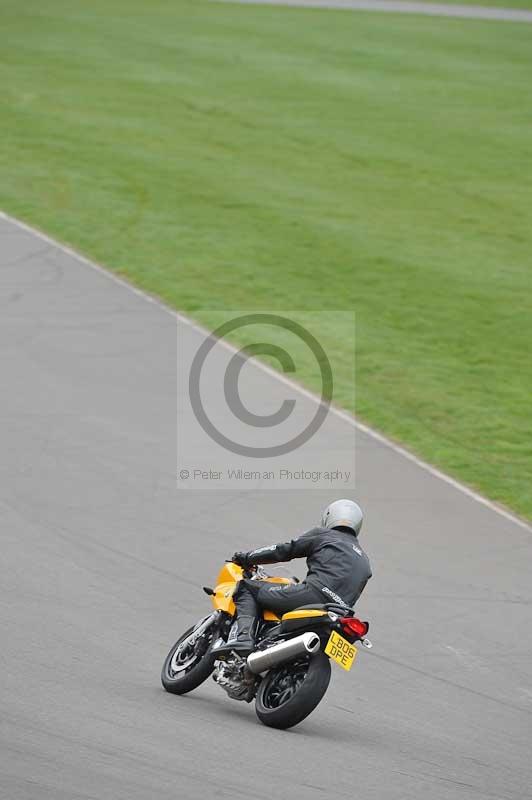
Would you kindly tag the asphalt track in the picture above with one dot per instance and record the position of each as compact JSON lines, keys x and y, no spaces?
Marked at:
{"x":406,"y":7}
{"x":102,"y":560}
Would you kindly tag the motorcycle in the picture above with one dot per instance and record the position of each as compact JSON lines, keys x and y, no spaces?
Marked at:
{"x":288,"y":672}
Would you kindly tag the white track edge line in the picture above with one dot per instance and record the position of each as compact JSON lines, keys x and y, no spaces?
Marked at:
{"x":438,"y":9}
{"x":344,"y":415}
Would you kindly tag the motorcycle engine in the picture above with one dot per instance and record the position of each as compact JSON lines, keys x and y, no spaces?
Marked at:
{"x":232,"y":676}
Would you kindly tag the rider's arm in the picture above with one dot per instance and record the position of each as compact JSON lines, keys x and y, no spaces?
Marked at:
{"x":286,"y":551}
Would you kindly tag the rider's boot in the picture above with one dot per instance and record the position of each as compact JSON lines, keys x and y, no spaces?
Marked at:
{"x":241,"y":637}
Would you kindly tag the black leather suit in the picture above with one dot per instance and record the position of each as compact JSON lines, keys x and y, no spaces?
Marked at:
{"x":338,"y":570}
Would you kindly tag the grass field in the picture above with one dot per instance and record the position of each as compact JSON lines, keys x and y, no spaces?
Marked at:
{"x":228,"y":156}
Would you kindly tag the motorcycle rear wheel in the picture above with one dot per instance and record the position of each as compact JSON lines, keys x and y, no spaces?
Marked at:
{"x":290,"y":692}
{"x":186,"y":670}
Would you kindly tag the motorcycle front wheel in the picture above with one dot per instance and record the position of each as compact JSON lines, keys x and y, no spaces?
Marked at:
{"x":187,"y":666}
{"x":290,"y":692}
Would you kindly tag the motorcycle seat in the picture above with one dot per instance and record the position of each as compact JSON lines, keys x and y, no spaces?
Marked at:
{"x":325,"y":607}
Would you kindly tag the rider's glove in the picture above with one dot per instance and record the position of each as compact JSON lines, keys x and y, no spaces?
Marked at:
{"x":241,"y":559}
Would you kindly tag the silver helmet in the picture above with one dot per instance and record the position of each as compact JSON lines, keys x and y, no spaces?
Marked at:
{"x":344,"y":513}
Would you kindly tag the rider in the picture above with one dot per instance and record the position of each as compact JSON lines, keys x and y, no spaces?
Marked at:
{"x":338,"y":570}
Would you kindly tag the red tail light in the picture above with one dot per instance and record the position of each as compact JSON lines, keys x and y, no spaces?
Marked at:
{"x":354,"y":626}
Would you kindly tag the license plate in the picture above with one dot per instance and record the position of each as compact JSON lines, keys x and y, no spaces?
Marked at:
{"x":340,"y":650}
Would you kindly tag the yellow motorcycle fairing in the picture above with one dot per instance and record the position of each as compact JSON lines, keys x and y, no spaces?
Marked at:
{"x":304,"y":613}
{"x":228,"y":579}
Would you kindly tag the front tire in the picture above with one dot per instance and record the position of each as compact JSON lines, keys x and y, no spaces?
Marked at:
{"x":185,"y":670}
{"x":290,"y":692}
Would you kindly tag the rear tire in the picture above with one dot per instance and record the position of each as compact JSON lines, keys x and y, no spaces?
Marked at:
{"x":201,"y":662}
{"x":290,"y":692}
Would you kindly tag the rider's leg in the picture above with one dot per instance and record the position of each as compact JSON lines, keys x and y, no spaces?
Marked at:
{"x":242,"y":634}
{"x":281,"y":598}
{"x":252,"y":595}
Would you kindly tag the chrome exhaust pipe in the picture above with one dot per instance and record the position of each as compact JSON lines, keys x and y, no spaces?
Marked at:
{"x":284,"y":651}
